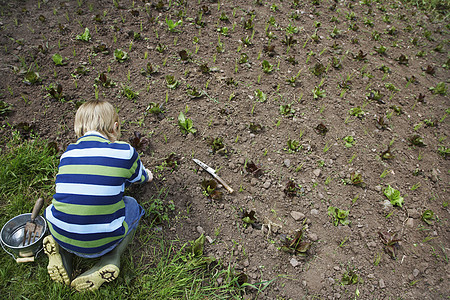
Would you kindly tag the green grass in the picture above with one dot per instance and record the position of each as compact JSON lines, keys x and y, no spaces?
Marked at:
{"x":153,"y":267}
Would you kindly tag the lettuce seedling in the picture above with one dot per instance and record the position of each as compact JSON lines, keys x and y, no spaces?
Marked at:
{"x":390,"y":242}
{"x":55,"y":92}
{"x":120,"y":55}
{"x":293,"y":146}
{"x":349,"y":277}
{"x":287,"y":110}
{"x":403,"y":60}
{"x":149,"y":70}
{"x":356,"y":178}
{"x":260,"y":96}
{"x":31,"y":77}
{"x":58,"y":60}
{"x":139,"y":142}
{"x":104,"y":81}
{"x":416,"y":140}
{"x":439,"y":89}
{"x":186,"y":124}
{"x":267,"y":67}
{"x":394,"y":196}
{"x":338,"y":216}
{"x":248,"y":217}
{"x":295,"y":245}
{"x":349,"y":141}
{"x":318,"y":69}
{"x":101,"y":48}
{"x":217,"y":145}
{"x":85,"y":37}
{"x":292,"y":189}
{"x":5,"y":108}
{"x":209,"y":189}
{"x":129,"y":93}
{"x":173,"y":25}
{"x":428,"y":216}
{"x":194,"y":93}
{"x":321,"y":129}
{"x":171,"y":82}
{"x":357,"y":112}
{"x":253,"y":168}
{"x":255,"y":128}
{"x":387,"y":154}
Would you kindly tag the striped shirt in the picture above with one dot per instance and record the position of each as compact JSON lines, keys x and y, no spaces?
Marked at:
{"x":87,"y":212}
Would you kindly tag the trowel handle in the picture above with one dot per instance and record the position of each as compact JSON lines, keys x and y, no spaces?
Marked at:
{"x":37,"y":208}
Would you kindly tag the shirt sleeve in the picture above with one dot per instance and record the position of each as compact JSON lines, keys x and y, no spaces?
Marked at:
{"x":137,"y":170}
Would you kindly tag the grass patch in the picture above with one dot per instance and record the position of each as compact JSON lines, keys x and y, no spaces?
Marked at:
{"x":153,"y":267}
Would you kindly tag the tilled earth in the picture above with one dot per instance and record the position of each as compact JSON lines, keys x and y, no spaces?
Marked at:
{"x":339,"y":69}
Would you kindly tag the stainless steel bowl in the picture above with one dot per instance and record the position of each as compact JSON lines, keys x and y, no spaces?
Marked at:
{"x":12,"y":235}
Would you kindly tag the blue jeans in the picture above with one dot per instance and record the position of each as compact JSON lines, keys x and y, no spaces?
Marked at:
{"x":133,"y":213}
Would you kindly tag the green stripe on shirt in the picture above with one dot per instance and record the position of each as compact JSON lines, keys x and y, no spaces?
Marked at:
{"x":87,"y":244}
{"x":88,"y":210}
{"x":96,"y":170}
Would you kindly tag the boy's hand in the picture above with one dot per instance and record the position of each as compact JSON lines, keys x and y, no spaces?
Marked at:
{"x":150,"y":175}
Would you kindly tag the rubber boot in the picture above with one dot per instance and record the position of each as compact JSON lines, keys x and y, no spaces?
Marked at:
{"x":59,"y":261}
{"x":106,"y":270}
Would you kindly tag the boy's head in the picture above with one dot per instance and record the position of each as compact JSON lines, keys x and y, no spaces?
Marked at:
{"x":97,"y":115}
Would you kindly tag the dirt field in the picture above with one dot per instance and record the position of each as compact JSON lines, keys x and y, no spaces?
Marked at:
{"x":298,"y":105}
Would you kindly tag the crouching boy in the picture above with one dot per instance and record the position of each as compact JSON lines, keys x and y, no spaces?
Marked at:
{"x":89,"y":216}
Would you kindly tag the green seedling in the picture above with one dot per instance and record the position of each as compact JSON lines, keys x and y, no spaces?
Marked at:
{"x":394,"y":196}
{"x":194,"y":93}
{"x":120,"y":55}
{"x":267,"y":67}
{"x":292,"y":189}
{"x":85,"y":37}
{"x":349,"y":277}
{"x":287,"y":110}
{"x":439,"y":89}
{"x":338,"y":216}
{"x":210,"y":189}
{"x":318,"y":69}
{"x":149,"y":70}
{"x":171,"y":82}
{"x":58,"y":60}
{"x":416,"y":140}
{"x":428,"y":216}
{"x":293,"y":146}
{"x":444,"y":151}
{"x":248,"y":217}
{"x":104,"y":80}
{"x":154,"y":108}
{"x":55,"y":92}
{"x":318,"y":92}
{"x":129,"y":93}
{"x":31,"y":77}
{"x":357,"y":112}
{"x":172,"y":26}
{"x":295,"y":245}
{"x":5,"y":108}
{"x":101,"y":48}
{"x":356,"y":178}
{"x":186,"y":124}
{"x":403,"y":60}
{"x":260,"y":96}
{"x":390,"y":242}
{"x":349,"y":141}
{"x":217,"y":145}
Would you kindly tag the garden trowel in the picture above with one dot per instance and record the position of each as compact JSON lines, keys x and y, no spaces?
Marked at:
{"x":213,"y":173}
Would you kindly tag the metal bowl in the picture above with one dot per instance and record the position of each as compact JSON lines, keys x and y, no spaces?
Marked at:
{"x":12,"y":235}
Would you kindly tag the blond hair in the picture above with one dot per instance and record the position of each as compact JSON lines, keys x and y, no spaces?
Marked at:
{"x":97,"y":115}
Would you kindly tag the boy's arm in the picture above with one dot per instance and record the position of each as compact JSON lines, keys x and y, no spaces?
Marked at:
{"x":139,"y":174}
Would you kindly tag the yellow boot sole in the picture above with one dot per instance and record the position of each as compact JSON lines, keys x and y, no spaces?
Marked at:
{"x":93,"y":281}
{"x":55,"y":266}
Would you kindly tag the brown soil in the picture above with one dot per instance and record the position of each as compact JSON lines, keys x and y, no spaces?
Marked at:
{"x":30,"y":35}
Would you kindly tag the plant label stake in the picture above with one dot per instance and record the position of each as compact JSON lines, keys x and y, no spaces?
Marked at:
{"x":213,"y":174}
